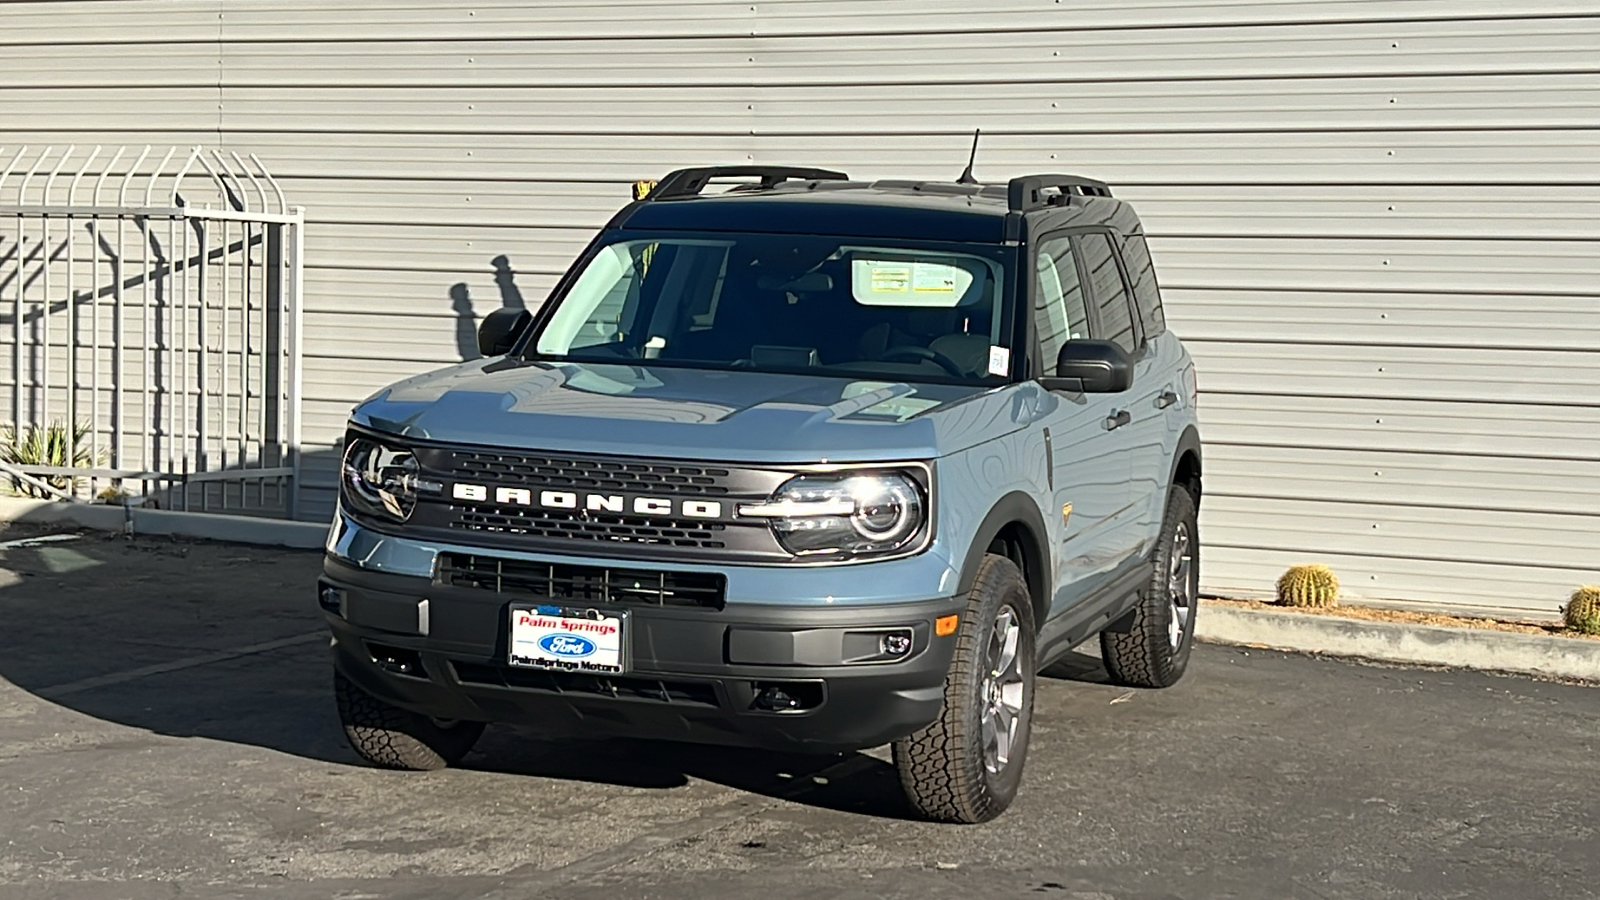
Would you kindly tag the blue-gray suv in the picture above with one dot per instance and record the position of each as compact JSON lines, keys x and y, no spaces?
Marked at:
{"x":806,"y":463}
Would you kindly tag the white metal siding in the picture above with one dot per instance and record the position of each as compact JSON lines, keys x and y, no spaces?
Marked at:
{"x":1375,"y":220}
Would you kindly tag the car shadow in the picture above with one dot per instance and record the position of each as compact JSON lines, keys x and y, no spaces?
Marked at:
{"x":225,"y":642}
{"x":1082,"y":665}
{"x":860,"y":783}
{"x":864,"y":783}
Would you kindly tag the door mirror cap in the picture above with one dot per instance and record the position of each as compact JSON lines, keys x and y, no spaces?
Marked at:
{"x":500,"y":330}
{"x":1091,"y":367}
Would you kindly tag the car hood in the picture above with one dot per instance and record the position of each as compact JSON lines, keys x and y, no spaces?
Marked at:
{"x":649,"y":410}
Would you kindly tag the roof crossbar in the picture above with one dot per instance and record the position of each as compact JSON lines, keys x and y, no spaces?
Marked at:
{"x":1028,"y":191}
{"x":690,"y":182}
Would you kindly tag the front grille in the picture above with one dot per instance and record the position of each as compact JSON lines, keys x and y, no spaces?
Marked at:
{"x":617,"y":505}
{"x":577,"y":473}
{"x":587,"y":526}
{"x":613,"y":686}
{"x":597,"y":585}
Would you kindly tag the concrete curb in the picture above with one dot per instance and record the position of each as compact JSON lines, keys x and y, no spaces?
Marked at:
{"x":133,"y":520}
{"x":1431,"y":645}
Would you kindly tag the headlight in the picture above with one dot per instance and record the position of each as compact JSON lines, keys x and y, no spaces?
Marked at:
{"x":848,"y":514}
{"x":380,"y":480}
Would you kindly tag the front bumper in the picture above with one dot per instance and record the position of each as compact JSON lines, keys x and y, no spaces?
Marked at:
{"x":694,"y":674}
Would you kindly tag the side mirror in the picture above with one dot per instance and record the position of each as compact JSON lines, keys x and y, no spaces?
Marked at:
{"x":499,"y":330}
{"x":1091,"y":367}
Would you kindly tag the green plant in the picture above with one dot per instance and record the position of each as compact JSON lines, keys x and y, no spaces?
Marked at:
{"x":112,"y":495}
{"x":1582,"y":612}
{"x":56,"y":445}
{"x":1308,"y":586}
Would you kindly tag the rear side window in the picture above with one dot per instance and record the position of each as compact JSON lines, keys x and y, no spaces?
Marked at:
{"x":1146,"y":292}
{"x":1110,"y":291}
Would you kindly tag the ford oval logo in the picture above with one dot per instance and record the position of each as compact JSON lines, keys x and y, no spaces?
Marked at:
{"x":570,"y":646}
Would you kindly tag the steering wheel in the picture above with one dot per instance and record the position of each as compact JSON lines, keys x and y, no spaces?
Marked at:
{"x":922,"y":354}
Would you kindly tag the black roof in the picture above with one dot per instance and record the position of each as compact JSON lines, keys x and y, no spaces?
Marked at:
{"x":816,"y":201}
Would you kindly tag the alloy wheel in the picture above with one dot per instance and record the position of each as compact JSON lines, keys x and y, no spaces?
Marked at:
{"x":1180,"y":584}
{"x":1004,"y":691}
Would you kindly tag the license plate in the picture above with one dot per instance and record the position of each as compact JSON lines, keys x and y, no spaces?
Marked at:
{"x":571,"y":640}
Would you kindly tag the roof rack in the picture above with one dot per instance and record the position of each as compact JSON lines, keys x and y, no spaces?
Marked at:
{"x":1027,"y":192}
{"x":942,"y":187}
{"x":690,"y":182}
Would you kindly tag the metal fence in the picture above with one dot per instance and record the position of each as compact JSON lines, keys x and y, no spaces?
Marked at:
{"x":153,"y":349}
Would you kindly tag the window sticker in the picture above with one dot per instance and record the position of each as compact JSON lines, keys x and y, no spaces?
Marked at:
{"x":935,"y":279}
{"x":999,"y":361}
{"x":898,"y":282}
{"x":890,"y":279}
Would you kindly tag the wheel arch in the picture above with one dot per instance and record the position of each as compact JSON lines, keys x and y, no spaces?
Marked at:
{"x":1186,"y":465}
{"x":1015,"y":529}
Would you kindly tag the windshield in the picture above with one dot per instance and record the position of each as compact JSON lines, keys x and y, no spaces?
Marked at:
{"x":790,"y":303}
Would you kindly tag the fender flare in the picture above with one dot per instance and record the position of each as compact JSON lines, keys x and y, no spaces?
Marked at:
{"x":1188,"y":442}
{"x":1015,"y":507}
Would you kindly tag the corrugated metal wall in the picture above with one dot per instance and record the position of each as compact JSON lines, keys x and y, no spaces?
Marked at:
{"x":1375,"y":220}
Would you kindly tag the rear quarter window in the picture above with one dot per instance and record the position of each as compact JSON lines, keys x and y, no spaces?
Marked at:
{"x":1110,"y":290}
{"x":1146,"y":291}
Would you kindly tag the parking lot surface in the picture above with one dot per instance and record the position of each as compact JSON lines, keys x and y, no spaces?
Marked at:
{"x":167,"y":731}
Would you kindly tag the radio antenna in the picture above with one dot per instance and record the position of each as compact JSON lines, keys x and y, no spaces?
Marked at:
{"x":966,"y":177}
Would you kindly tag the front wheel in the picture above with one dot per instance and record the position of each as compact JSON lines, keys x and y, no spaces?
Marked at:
{"x":1154,"y":652}
{"x":966,"y":766}
{"x":393,"y":738}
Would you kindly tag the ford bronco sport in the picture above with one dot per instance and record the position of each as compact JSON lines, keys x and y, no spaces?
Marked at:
{"x":811,"y":463}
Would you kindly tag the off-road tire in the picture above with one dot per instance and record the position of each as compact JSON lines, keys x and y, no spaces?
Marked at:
{"x":942,"y":766}
{"x":1144,"y":656}
{"x":393,"y":738}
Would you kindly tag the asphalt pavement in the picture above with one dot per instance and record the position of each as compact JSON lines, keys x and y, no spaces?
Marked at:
{"x":167,"y":731}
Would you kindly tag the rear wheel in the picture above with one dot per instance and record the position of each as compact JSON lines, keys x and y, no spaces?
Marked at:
{"x":967,"y":765}
{"x":394,"y":738}
{"x":1154,"y":653}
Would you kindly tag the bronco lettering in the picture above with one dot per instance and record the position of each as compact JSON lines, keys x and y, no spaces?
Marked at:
{"x":644,"y":506}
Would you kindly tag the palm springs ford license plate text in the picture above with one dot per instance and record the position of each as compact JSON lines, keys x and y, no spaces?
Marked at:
{"x":576,"y":627}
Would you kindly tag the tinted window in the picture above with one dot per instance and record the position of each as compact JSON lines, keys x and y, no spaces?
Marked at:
{"x":831,"y":306}
{"x":1110,"y":294}
{"x":1059,"y":313}
{"x":1146,"y":293}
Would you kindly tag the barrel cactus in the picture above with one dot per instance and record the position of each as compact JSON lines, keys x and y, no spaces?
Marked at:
{"x":1308,"y":586}
{"x":1582,"y":612}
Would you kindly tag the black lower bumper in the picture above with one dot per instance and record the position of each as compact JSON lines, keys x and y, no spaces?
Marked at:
{"x":694,"y":674}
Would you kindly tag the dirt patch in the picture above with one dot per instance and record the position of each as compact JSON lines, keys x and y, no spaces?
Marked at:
{"x":1375,"y":614}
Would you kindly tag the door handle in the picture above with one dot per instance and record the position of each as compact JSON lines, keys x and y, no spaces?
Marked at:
{"x":1118,"y":419}
{"x":1166,"y":399}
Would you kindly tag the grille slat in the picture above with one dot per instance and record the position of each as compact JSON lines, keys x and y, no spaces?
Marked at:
{"x":589,"y":474}
{"x":573,"y":526}
{"x":638,"y":507}
{"x":563,"y":583}
{"x":612,"y":686}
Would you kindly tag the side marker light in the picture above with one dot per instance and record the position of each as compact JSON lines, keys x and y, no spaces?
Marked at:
{"x":944,"y":626}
